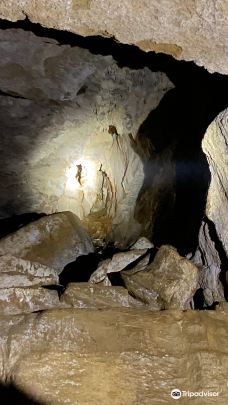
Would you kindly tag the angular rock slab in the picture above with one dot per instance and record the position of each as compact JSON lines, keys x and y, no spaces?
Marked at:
{"x":118,"y":262}
{"x":25,"y":300}
{"x":54,"y":240}
{"x":169,"y":282}
{"x":128,"y":356}
{"x":142,"y":243}
{"x":16,"y":272}
{"x":85,"y":295}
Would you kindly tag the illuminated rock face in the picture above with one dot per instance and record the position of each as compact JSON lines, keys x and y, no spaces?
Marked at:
{"x":68,"y":124}
{"x":128,"y":356}
{"x":190,"y":30}
{"x":213,"y":235}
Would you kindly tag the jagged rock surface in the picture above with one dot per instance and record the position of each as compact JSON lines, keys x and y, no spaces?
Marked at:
{"x":214,"y":145}
{"x":170,"y":281}
{"x":118,"y":262}
{"x":208,"y":257}
{"x":213,"y":235}
{"x":68,"y":120}
{"x":131,"y":356}
{"x":185,"y":29}
{"x":53,"y":240}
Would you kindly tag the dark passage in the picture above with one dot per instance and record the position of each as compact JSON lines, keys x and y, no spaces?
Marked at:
{"x":11,"y":395}
{"x":179,"y":124}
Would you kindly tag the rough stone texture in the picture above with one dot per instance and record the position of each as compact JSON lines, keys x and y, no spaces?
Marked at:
{"x":53,"y":240}
{"x":169,"y":282}
{"x":215,"y":147}
{"x":67,"y":138}
{"x":84,"y":295}
{"x":132,"y":357}
{"x":190,"y":30}
{"x":213,"y":235}
{"x":24,"y":300}
{"x":142,"y":243}
{"x":15,"y":272}
{"x":208,"y":256}
{"x":118,"y":262}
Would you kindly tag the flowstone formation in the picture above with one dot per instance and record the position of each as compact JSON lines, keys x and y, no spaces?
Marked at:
{"x":68,"y":122}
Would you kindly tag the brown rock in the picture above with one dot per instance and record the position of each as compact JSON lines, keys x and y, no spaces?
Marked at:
{"x":129,"y":356}
{"x":54,"y":241}
{"x":24,"y":300}
{"x":15,"y":272}
{"x":169,"y":282}
{"x":84,"y":295}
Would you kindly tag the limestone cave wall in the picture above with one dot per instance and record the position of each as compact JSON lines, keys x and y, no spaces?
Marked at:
{"x":68,"y":123}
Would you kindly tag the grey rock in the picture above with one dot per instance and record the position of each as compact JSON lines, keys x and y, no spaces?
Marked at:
{"x":118,"y":262}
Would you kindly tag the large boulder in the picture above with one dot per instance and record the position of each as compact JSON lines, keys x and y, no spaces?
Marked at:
{"x":16,"y":272}
{"x":85,"y":295}
{"x":53,"y":240}
{"x":129,"y":356}
{"x":185,"y":29}
{"x":24,"y":300}
{"x":169,"y":282}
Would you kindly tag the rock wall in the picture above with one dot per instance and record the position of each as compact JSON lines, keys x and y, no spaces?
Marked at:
{"x":68,"y":119}
{"x":190,"y":30}
{"x":213,"y":235}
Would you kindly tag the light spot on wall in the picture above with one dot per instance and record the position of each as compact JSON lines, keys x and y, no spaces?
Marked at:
{"x":81,"y":175}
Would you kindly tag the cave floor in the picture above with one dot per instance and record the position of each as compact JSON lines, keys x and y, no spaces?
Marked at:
{"x":115,"y":356}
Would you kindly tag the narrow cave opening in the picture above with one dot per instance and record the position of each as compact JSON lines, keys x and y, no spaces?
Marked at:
{"x":141,"y":171}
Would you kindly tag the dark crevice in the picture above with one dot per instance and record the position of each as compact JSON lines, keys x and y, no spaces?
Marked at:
{"x":178,"y":124}
{"x":10,"y":394}
{"x":11,"y":94}
{"x":15,"y":222}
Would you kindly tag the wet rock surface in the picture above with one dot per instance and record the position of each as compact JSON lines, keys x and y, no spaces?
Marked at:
{"x":130,"y":356}
{"x":53,"y":240}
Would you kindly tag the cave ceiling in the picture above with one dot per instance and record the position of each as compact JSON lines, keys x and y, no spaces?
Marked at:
{"x":188,"y":30}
